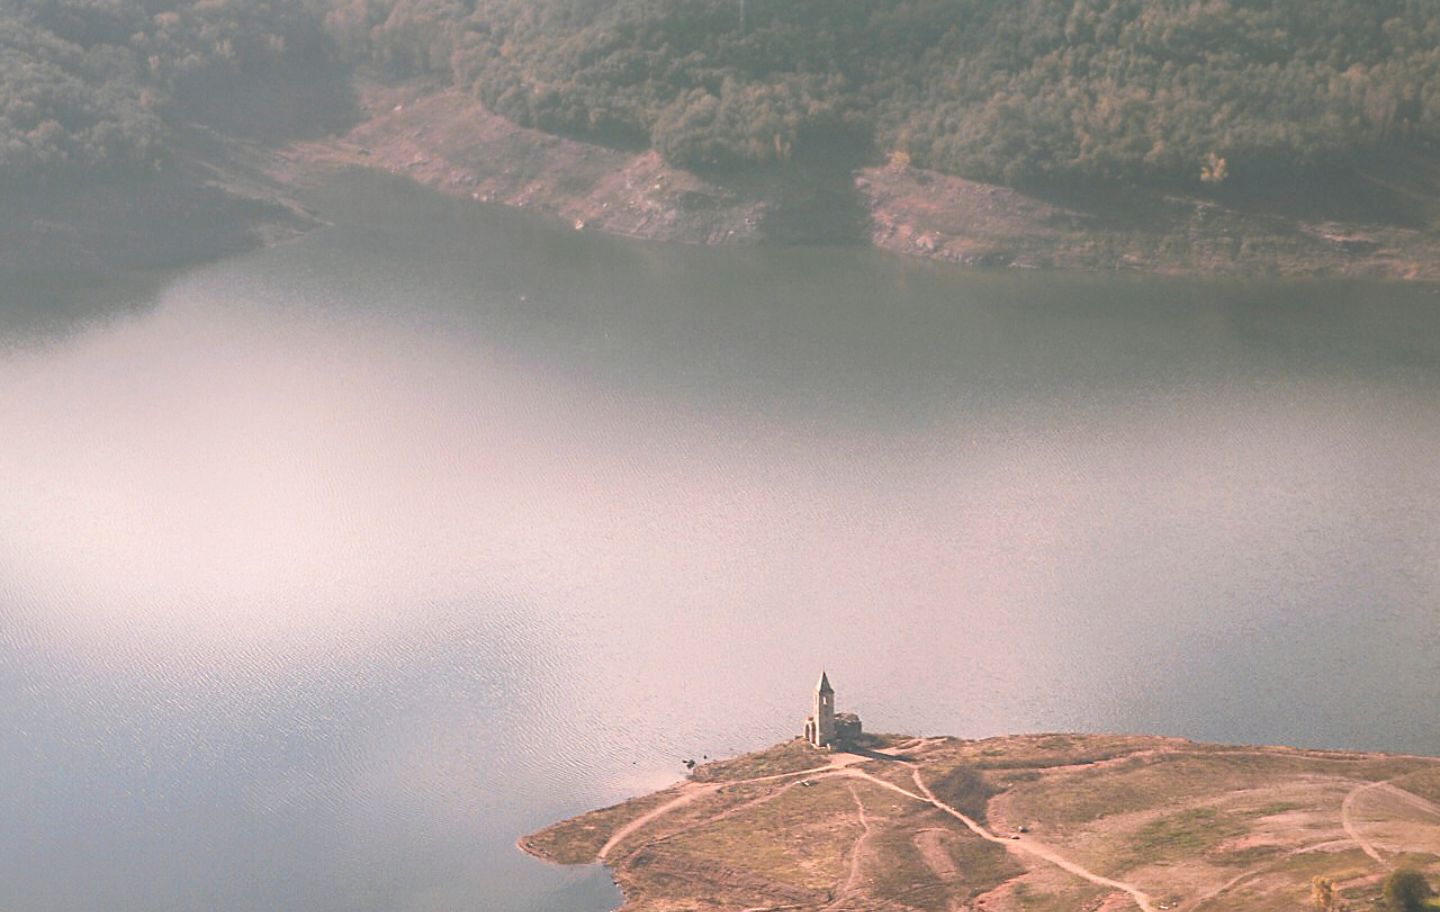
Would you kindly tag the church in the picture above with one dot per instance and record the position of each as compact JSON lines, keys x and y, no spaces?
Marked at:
{"x":825,"y":727}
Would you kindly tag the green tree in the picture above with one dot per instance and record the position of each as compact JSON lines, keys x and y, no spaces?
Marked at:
{"x":1407,"y":890}
{"x":1157,"y":91}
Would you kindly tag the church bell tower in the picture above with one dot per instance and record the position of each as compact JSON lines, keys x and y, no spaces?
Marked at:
{"x":823,"y":732}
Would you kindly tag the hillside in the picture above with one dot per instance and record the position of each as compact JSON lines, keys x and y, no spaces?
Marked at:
{"x":131,"y":131}
{"x":1021,"y":93}
{"x":1223,"y":137}
{"x":1042,"y":822}
{"x":450,"y":141}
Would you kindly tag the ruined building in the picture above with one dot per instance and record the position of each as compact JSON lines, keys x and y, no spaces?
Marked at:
{"x":825,"y":727}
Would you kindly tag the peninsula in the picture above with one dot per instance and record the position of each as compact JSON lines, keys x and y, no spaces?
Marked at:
{"x":1028,"y":822}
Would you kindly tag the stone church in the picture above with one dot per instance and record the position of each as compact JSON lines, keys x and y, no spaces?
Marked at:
{"x":825,"y":727}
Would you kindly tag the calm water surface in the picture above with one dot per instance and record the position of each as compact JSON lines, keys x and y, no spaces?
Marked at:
{"x":328,"y":571}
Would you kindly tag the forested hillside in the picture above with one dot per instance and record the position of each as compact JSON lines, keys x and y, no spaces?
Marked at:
{"x":1154,"y":91}
{"x":93,"y":87}
{"x":1164,"y":92}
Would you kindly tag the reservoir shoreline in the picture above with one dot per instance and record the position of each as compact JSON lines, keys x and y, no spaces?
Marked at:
{"x":229,"y":193}
{"x":447,"y":140}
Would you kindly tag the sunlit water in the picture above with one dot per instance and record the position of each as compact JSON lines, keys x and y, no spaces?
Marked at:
{"x":328,"y":571}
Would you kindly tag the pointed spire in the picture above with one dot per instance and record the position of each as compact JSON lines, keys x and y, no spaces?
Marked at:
{"x":824,"y":685}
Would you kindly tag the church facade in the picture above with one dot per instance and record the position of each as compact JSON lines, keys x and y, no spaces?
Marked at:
{"x":824,"y":727}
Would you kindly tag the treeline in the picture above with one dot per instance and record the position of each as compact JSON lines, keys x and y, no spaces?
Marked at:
{"x":91,"y":87}
{"x":1169,"y":91}
{"x":1017,"y":91}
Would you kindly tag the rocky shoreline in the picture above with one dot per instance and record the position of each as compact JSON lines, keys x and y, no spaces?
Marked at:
{"x":231,"y":194}
{"x":448,"y":141}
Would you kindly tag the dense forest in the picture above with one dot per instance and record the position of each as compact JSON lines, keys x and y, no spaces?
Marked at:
{"x":1016,"y":91}
{"x":1156,"y":91}
{"x":94,"y":87}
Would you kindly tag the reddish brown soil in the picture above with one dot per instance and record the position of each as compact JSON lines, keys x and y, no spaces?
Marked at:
{"x":445,"y":139}
{"x":924,"y":214}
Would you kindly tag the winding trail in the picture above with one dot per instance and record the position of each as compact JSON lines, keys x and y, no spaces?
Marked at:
{"x":1028,"y":847}
{"x":691,"y":792}
{"x":1387,"y":786}
{"x":1243,"y":876}
{"x":1350,"y":829}
{"x":840,"y":765}
{"x":1410,"y":798}
{"x":852,"y":882}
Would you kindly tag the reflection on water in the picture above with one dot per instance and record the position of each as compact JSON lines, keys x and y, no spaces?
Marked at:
{"x":36,"y":309}
{"x":328,"y":571}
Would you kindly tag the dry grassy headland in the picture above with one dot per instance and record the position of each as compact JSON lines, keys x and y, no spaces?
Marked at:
{"x":1034,"y":822}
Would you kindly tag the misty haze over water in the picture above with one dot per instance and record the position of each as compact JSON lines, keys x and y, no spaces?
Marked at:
{"x":329,"y":570}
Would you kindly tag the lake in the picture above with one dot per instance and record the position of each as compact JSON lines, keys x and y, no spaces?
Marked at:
{"x":329,"y":570}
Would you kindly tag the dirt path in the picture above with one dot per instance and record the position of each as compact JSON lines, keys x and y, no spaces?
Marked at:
{"x":1029,"y":847}
{"x":1345,"y":820}
{"x":1142,"y":899}
{"x":1348,"y":806}
{"x":852,"y":882}
{"x":1410,"y":798}
{"x":691,"y":792}
{"x":734,"y":809}
{"x":839,"y":765}
{"x":1243,"y":876}
{"x":1229,"y":884}
{"x":1351,"y":830}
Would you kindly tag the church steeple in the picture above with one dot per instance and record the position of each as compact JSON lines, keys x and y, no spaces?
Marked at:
{"x":822,"y":727}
